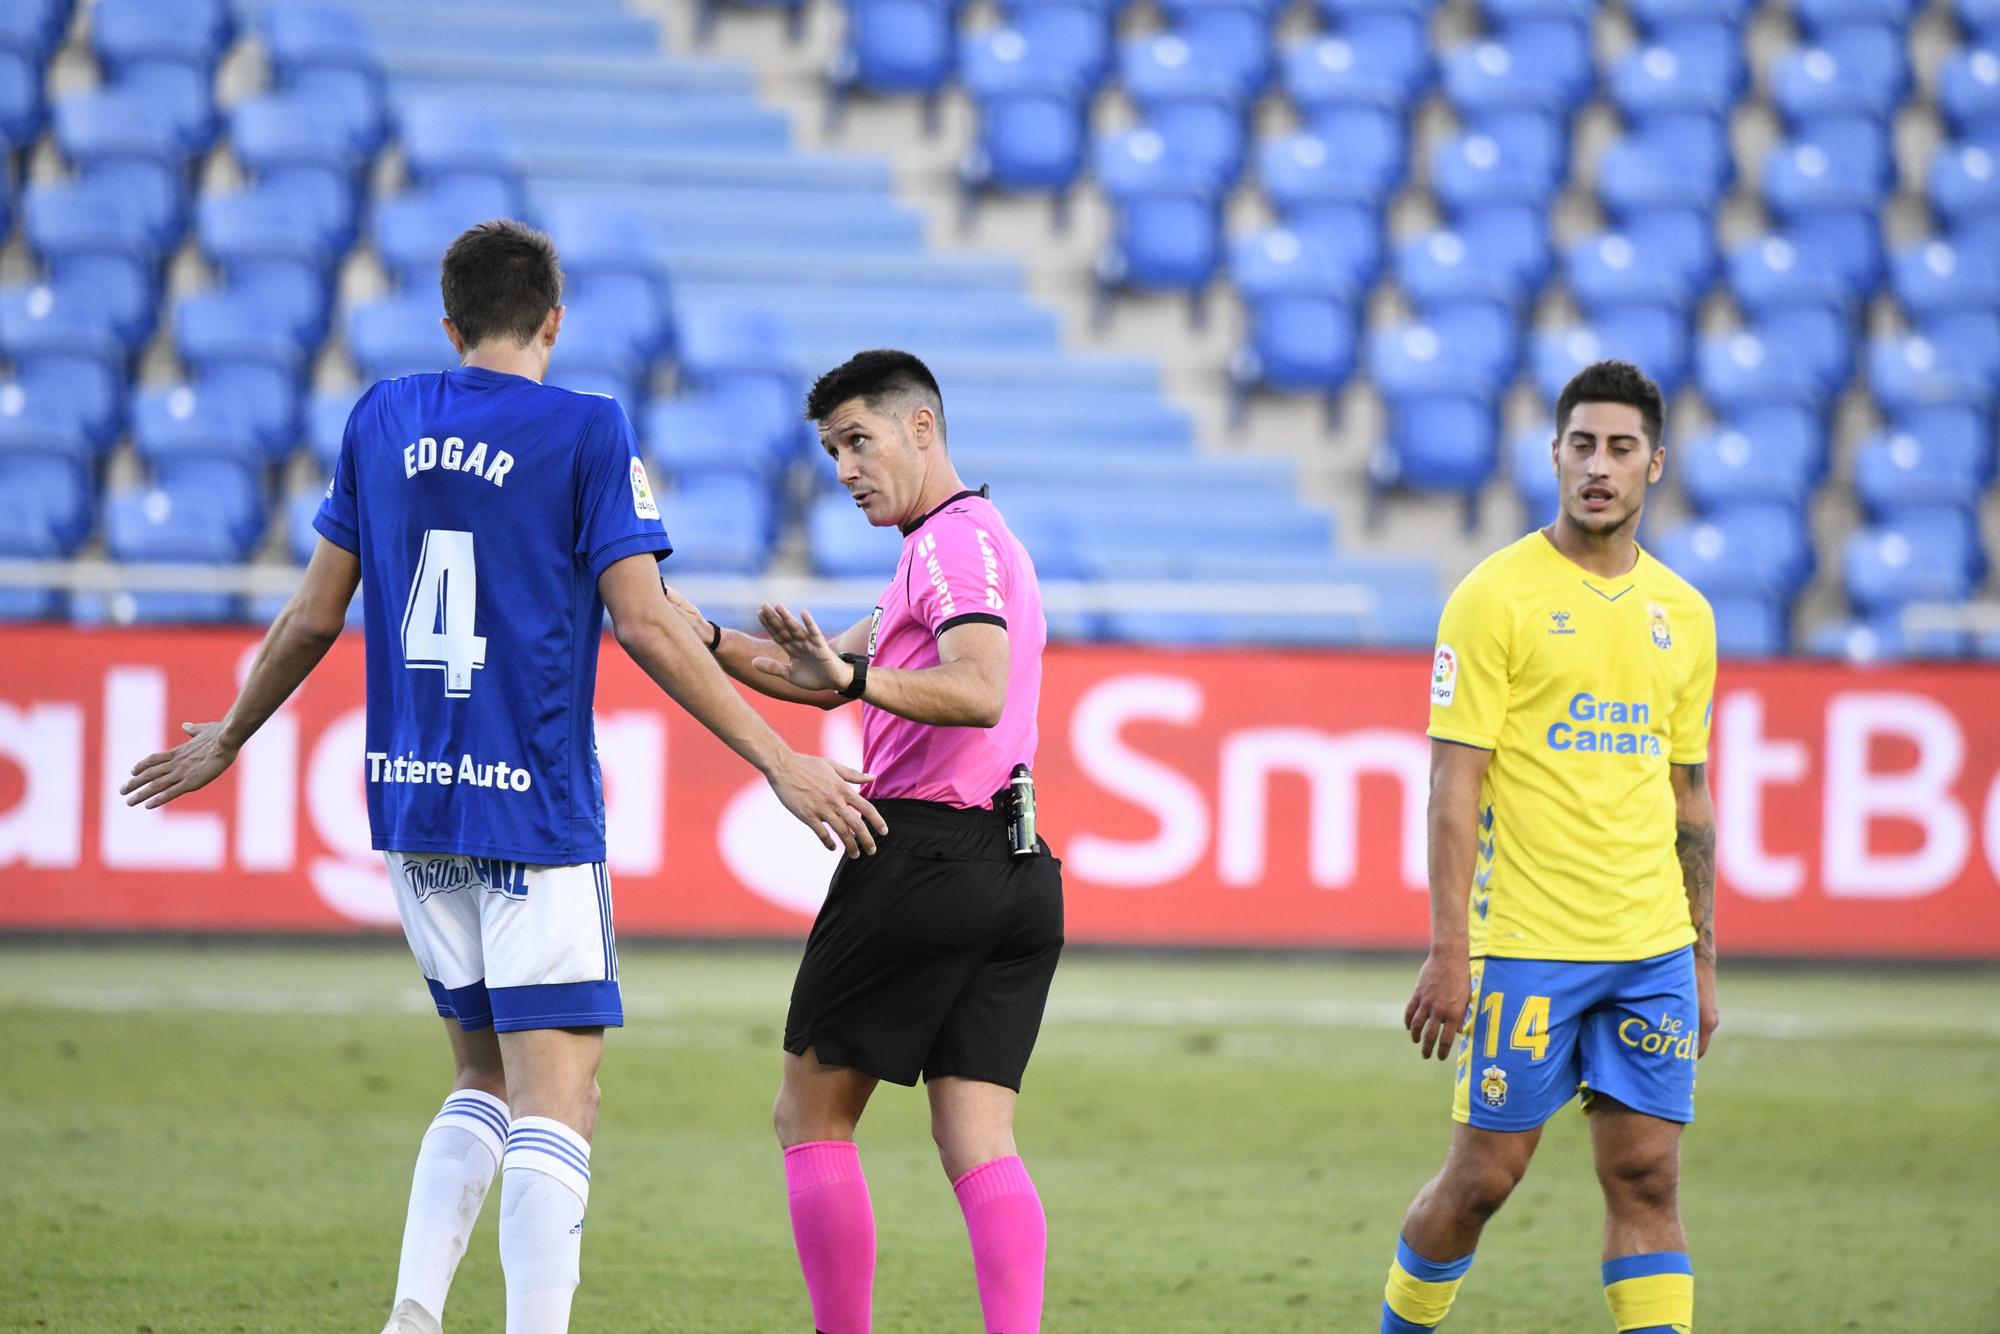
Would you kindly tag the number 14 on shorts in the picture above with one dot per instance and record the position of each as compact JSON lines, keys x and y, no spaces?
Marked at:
{"x":1531,"y":1025}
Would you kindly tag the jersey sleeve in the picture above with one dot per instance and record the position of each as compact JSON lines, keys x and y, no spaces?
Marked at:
{"x":339,"y":517}
{"x":958,"y":576}
{"x":1470,"y":670}
{"x":617,"y":513}
{"x":1696,"y":705}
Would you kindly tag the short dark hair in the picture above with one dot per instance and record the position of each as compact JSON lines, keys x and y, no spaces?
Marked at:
{"x":500,"y":279}
{"x":1614,"y":382}
{"x":876,"y":375}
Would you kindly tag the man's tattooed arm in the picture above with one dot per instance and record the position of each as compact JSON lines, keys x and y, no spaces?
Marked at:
{"x":1694,"y":842}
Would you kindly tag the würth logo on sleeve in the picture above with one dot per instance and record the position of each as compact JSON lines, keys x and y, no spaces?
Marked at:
{"x":935,"y":573}
{"x":1444,"y":676}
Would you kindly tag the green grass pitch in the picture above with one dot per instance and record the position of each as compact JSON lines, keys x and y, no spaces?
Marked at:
{"x":218,"y":1138}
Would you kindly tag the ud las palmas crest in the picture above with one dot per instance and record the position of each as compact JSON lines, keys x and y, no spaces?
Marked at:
{"x":1493,"y":1086}
{"x":1658,"y":615}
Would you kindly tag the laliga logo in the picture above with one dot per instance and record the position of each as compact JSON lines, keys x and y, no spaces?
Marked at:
{"x":1669,"y":1039}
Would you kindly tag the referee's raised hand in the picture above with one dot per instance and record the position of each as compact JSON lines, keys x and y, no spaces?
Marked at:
{"x":811,"y":662}
{"x":816,"y":791}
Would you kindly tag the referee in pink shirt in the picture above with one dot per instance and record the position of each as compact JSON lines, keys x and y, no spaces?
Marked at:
{"x":934,"y":956}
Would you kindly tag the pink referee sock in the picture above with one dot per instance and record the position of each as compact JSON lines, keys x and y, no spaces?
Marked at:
{"x":833,"y":1224}
{"x":1010,"y":1242}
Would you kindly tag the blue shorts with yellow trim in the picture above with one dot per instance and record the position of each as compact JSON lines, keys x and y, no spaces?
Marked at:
{"x":1542,"y":1031}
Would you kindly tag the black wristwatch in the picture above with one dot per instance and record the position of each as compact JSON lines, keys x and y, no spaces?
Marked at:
{"x":859,"y":685}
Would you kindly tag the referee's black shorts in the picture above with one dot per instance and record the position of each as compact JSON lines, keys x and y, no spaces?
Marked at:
{"x":934,"y":956}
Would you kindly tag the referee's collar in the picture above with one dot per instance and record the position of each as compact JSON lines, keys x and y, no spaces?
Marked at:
{"x":907,"y":529}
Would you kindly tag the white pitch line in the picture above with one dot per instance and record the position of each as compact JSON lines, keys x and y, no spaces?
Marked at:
{"x":1083,"y":1011}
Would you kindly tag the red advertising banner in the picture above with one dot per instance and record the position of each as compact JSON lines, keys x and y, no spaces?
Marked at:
{"x":1196,"y":798}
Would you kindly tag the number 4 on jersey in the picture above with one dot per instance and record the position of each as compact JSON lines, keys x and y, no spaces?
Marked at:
{"x":437,"y":625}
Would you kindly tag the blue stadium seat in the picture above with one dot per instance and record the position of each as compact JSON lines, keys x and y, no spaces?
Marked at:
{"x":1498,"y":74}
{"x":23,"y":108}
{"x":1760,"y":550}
{"x":181,"y":524}
{"x":228,"y":341}
{"x":1072,"y":40}
{"x":98,"y":254}
{"x":446,"y":144}
{"x":1653,"y":14}
{"x":65,"y":350}
{"x":1167,"y":230}
{"x":1531,"y":469}
{"x":1461,"y":351}
{"x":1534,"y":141}
{"x":1900,"y":470}
{"x":1669,"y":162}
{"x":1031,"y":108}
{"x":1470,"y":170}
{"x":1860,"y":72}
{"x":1850,"y":243}
{"x":1914,"y":558}
{"x":722,"y":343}
{"x":1969,"y":93}
{"x":1909,"y":371}
{"x":1815,"y":174}
{"x":1208,"y":138}
{"x":265,"y":244}
{"x":182,"y":423}
{"x":1750,"y":626}
{"x":1351,"y":155}
{"x":1741,"y":370}
{"x":1559,"y":45}
{"x":1384,"y":65}
{"x":326,"y":424}
{"x":1822,"y":345}
{"x":33,"y":28}
{"x":1511,"y":238}
{"x":1963,"y":185}
{"x":1981,"y":20}
{"x":235,"y":489}
{"x":697,"y":435}
{"x":844,"y":545}
{"x":1818,"y":16}
{"x":1938,"y":276}
{"x":313,"y":37}
{"x":1730,"y":467}
{"x":110,"y":125}
{"x":1660,"y":79}
{"x":53,"y":498}
{"x":1973,"y":335}
{"x":398,"y":336}
{"x":1438,"y":444}
{"x":35,"y":422}
{"x":412,"y":231}
{"x":1650,"y":337}
{"x":185,"y":32}
{"x":1771,"y":272}
{"x":1441,"y":267}
{"x":1167,"y":67}
{"x":1610,"y":269}
{"x":1303,"y":320}
{"x":894,"y":46}
{"x":722,"y":523}
{"x":294,"y":150}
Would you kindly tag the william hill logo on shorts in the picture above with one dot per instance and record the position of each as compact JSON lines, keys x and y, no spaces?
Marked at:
{"x":1671,"y":1038}
{"x":1607,"y":726}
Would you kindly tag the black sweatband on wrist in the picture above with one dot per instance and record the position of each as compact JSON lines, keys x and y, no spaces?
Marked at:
{"x":715,"y":641}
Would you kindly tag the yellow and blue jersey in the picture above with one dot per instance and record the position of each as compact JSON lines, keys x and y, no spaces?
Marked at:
{"x":1585,"y":690}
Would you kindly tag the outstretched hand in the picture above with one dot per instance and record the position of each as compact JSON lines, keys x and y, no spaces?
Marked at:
{"x":816,"y":791}
{"x":810,"y":662}
{"x":194,"y":764}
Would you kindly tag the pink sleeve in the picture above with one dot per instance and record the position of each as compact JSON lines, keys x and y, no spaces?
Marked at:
{"x":958,"y":576}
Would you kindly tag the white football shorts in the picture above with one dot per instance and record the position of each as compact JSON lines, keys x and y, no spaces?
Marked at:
{"x":508,"y":945}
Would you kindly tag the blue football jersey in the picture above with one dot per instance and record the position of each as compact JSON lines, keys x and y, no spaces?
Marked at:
{"x":484,"y":507}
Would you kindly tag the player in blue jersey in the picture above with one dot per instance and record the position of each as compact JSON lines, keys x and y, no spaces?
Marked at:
{"x":492,"y":521}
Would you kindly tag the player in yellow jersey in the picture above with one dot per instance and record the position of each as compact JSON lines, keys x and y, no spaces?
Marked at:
{"x":1572,"y":869}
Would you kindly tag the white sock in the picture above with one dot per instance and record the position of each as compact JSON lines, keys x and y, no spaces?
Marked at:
{"x":455,"y":1166}
{"x":544,"y":1186}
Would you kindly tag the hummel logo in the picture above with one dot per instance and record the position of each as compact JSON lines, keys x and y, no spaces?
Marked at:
{"x":1559,"y":623}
